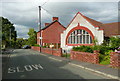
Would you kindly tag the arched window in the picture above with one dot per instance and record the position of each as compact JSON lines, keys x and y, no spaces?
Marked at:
{"x":79,"y":37}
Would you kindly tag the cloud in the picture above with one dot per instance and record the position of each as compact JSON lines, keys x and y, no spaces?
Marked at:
{"x":23,"y":30}
{"x":24,"y":13}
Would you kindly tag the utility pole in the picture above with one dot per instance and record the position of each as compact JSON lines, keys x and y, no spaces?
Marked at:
{"x":10,"y":37}
{"x":39,"y":27}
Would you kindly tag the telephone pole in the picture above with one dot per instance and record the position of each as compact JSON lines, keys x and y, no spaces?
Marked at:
{"x":10,"y":38}
{"x":39,"y":27}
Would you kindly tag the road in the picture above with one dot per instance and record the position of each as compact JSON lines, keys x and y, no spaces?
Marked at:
{"x":29,"y":64}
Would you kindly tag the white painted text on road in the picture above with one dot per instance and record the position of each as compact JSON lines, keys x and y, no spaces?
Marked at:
{"x":25,"y":68}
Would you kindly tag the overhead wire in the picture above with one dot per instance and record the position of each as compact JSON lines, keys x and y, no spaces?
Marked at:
{"x":48,"y":11}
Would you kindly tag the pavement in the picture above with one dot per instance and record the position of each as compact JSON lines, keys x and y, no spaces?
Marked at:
{"x":105,"y":70}
{"x":30,"y":64}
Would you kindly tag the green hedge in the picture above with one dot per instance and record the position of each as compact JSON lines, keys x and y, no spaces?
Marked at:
{"x":37,"y":45}
{"x":83,"y":49}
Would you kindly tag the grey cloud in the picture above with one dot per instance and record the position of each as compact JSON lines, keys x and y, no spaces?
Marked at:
{"x":26,"y":14}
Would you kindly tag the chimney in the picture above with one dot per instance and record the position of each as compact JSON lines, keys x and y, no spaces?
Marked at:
{"x":55,"y":18}
{"x":46,"y":24}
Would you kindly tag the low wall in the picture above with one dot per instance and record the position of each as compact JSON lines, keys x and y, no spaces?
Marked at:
{"x":56,"y":52}
{"x":85,"y":56}
{"x":35,"y":48}
{"x":115,"y":59}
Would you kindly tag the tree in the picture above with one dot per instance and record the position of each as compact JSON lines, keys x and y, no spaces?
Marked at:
{"x":8,"y":33}
{"x":32,"y":37}
{"x":21,"y":42}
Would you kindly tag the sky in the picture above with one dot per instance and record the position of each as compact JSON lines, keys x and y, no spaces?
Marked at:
{"x":24,"y":13}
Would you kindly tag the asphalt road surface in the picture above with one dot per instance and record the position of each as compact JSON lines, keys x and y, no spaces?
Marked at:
{"x":29,"y":64}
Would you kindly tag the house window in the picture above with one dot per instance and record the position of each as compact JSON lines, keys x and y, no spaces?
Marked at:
{"x":79,"y":37}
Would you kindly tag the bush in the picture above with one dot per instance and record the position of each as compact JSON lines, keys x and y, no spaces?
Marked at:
{"x":104,"y":49}
{"x":76,"y":48}
{"x":83,"y":49}
{"x":36,"y":45}
{"x":44,"y":46}
{"x":105,"y":58}
{"x":96,"y":47}
{"x":114,"y":42}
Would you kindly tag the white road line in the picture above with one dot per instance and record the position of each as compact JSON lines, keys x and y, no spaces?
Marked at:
{"x":43,"y":54}
{"x":108,"y":75}
{"x":55,"y":59}
{"x":76,"y":65}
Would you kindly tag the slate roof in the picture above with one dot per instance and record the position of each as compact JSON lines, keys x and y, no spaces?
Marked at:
{"x":112,"y":29}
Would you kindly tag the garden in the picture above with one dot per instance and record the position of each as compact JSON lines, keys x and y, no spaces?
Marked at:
{"x":108,"y":46}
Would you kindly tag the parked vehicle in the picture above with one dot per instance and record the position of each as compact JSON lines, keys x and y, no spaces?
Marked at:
{"x":26,"y":47}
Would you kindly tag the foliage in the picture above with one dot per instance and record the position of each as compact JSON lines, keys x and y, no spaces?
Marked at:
{"x":83,"y":49}
{"x":105,"y":43}
{"x":44,"y":46}
{"x":37,"y":45}
{"x":95,"y":41}
{"x":21,"y":42}
{"x":96,"y":47}
{"x":104,"y":49}
{"x":105,"y":62}
{"x":105,"y":58}
{"x":114,"y":42}
{"x":32,"y":37}
{"x":8,"y":33}
{"x":66,"y":55}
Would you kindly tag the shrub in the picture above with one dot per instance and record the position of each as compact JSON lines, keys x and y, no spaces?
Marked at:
{"x":96,"y":47}
{"x":83,"y":49}
{"x":105,"y":58}
{"x":104,"y":49}
{"x":44,"y":46}
{"x":37,"y":45}
{"x":76,"y":48}
{"x":114,"y":42}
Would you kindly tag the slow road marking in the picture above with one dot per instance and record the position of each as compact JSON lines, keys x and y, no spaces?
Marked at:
{"x":25,"y":68}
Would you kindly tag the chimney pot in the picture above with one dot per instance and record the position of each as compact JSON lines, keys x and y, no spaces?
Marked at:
{"x":55,"y":18}
{"x":46,"y":24}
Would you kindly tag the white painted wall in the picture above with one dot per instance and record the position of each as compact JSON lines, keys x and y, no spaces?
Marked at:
{"x":83,"y":22}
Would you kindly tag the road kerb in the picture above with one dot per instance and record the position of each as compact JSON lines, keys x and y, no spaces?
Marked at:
{"x":102,"y":73}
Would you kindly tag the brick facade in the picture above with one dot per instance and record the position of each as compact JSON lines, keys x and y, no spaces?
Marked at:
{"x":86,"y":57}
{"x":115,"y":59}
{"x":51,"y":32}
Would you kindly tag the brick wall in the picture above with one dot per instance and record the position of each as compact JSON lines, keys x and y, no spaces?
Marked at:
{"x":115,"y":59}
{"x":56,"y":52}
{"x":85,"y":56}
{"x":35,"y":48}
